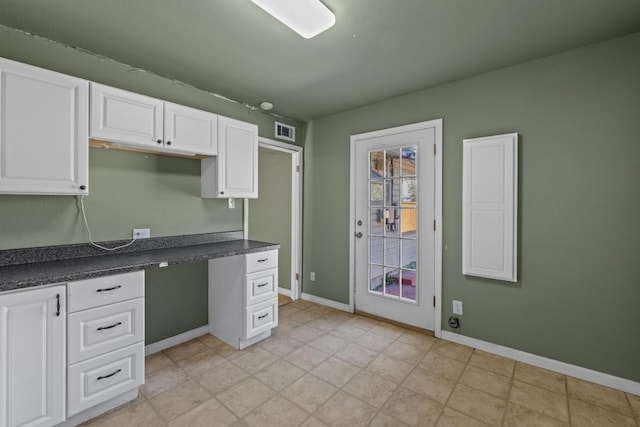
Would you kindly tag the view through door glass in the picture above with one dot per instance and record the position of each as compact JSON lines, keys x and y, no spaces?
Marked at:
{"x":393,"y":267}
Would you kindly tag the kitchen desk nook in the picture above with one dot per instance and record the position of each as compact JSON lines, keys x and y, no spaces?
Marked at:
{"x":72,"y":318}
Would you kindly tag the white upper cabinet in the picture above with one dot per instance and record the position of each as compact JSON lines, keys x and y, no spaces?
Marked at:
{"x":190,"y":129}
{"x":32,"y":357}
{"x":140,"y":121}
{"x":43,"y":131}
{"x":124,"y":117}
{"x":234,"y":172}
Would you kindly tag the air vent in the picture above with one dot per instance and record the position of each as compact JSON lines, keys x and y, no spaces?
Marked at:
{"x":285,"y":132}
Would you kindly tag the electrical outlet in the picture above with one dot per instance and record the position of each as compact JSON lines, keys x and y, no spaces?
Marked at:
{"x":141,"y":233}
{"x":457,"y":307}
{"x":232,"y":203}
{"x":312,"y":276}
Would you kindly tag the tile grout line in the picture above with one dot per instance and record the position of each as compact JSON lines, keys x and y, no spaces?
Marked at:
{"x":566,"y":390}
{"x":508,"y":399}
{"x":446,"y":403}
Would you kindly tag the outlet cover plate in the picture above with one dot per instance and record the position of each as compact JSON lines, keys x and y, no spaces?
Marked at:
{"x":457,"y":307}
{"x":141,"y":233}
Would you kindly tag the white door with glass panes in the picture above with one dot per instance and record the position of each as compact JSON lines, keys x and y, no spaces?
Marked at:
{"x":395,"y":212}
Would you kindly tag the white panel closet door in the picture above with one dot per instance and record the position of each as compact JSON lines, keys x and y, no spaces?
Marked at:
{"x":489,"y":207}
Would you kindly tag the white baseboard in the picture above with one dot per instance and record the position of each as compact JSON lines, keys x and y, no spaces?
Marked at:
{"x":327,"y":302}
{"x":606,"y":380}
{"x":175,"y":340}
{"x":100,"y":409}
{"x":284,"y":291}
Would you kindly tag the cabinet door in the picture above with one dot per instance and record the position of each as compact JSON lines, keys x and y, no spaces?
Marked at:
{"x":32,"y":357}
{"x":43,"y":131}
{"x":237,"y":163}
{"x":125,"y":117}
{"x":190,"y":131}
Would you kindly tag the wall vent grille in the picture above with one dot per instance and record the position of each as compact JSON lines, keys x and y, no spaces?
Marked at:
{"x":285,"y":132}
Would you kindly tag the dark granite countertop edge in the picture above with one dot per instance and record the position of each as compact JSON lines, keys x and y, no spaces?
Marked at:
{"x":25,"y":276}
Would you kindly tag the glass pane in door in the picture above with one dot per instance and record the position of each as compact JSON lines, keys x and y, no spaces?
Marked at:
{"x":393,"y":206}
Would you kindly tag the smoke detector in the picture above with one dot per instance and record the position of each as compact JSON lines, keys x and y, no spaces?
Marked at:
{"x":266,"y":106}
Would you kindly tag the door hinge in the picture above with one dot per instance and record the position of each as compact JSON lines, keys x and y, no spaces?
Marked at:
{"x":434,"y":300}
{"x":297,"y":168}
{"x":297,"y":277}
{"x":434,"y":149}
{"x":434,"y":225}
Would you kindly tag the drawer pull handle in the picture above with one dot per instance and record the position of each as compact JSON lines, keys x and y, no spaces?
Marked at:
{"x":101,"y":328}
{"x":263,"y":316}
{"x":110,"y":375}
{"x":262,"y":285}
{"x":57,"y":305}
{"x":109,"y":289}
{"x":263,"y":260}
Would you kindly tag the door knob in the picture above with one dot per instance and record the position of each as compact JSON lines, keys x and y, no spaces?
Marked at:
{"x":359,"y":234}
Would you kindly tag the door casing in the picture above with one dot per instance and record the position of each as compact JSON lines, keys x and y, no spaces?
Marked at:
{"x":436,"y":124}
{"x":296,"y":153}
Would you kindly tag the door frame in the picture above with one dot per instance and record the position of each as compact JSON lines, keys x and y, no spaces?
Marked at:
{"x":437,"y":126}
{"x":296,"y":153}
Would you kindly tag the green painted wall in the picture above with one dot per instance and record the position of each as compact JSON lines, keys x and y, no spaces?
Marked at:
{"x":128,"y":189}
{"x":175,"y":300}
{"x":270,"y":214}
{"x":578,"y":291}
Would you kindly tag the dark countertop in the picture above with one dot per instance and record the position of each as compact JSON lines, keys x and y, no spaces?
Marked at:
{"x":25,"y":275}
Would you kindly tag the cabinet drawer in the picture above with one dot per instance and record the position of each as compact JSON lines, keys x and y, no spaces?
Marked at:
{"x":104,"y":377}
{"x":104,"y":329}
{"x":91,"y":293}
{"x":261,"y":317}
{"x":262,"y":286}
{"x":261,"y":261}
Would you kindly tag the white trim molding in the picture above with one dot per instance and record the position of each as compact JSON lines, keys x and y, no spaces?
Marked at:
{"x":601,"y":378}
{"x":175,"y":340}
{"x":327,"y":302}
{"x":284,"y":291}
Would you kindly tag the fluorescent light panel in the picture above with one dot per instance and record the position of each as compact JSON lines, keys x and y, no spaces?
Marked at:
{"x":306,"y":17}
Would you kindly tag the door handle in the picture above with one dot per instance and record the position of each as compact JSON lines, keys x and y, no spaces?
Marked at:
{"x":359,"y":234}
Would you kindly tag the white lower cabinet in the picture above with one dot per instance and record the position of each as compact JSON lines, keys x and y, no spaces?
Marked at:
{"x":32,"y":357}
{"x":243,"y":297}
{"x":105,"y":344}
{"x":104,"y":377}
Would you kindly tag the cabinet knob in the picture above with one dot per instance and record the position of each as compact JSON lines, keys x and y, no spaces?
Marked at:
{"x":168,"y":142}
{"x":83,"y":187}
{"x":222,"y":192}
{"x":159,"y":141}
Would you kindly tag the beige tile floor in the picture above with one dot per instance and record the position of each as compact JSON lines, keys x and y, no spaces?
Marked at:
{"x":324,"y":367}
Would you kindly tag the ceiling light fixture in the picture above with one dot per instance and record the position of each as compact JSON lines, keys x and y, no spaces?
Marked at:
{"x":306,"y":17}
